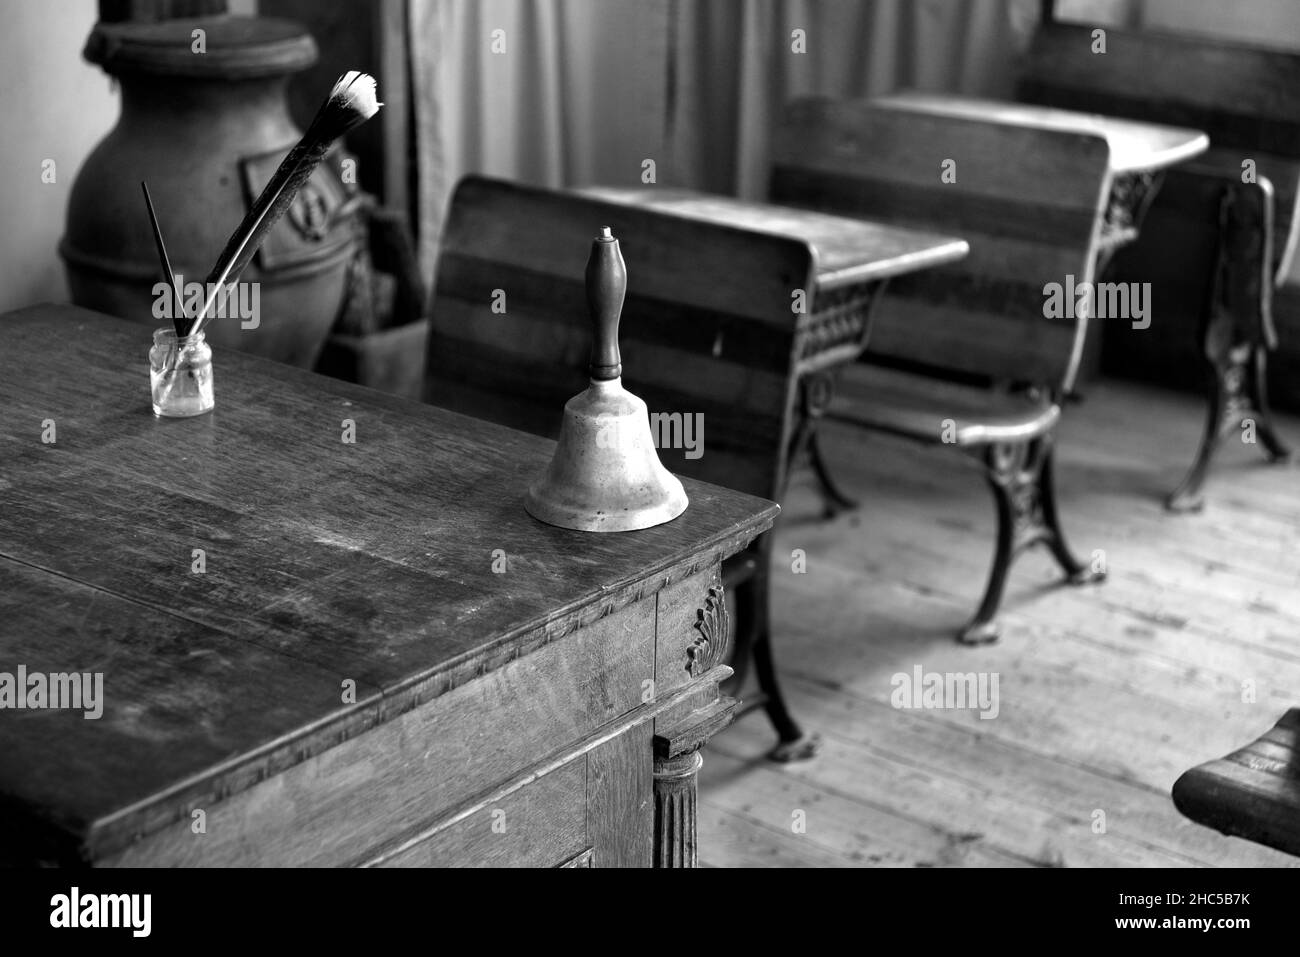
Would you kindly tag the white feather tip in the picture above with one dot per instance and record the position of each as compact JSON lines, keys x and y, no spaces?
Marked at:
{"x":356,"y":91}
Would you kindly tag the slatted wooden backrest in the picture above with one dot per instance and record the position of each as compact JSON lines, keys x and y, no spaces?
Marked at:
{"x":1246,"y":98}
{"x":1027,"y":200}
{"x":707,"y":325}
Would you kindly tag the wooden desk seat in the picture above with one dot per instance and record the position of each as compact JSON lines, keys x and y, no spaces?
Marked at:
{"x":1029,"y":201}
{"x":1252,"y":793}
{"x":1248,"y":100}
{"x":921,"y":408}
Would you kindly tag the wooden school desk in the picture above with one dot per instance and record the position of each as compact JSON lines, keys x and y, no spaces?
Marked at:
{"x":328,"y":652}
{"x":1139,"y":152}
{"x":853,"y":262}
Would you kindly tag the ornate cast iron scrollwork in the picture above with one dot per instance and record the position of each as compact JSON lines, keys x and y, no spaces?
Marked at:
{"x":1236,"y":336}
{"x":1020,"y":476}
{"x":1016,"y":468}
{"x":843,"y":318}
{"x":816,"y":391}
{"x":1131,"y":195}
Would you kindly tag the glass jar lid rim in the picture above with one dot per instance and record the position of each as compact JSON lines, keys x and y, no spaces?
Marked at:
{"x":167,"y":332}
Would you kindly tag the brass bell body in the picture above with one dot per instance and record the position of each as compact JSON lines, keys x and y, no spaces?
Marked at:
{"x":606,"y":475}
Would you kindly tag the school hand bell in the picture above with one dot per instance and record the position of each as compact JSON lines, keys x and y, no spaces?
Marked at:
{"x":606,"y":475}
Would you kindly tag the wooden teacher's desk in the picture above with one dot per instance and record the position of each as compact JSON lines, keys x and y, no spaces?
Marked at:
{"x":328,"y":633}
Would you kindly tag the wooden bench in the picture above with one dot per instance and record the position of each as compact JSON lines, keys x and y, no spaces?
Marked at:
{"x":964,"y":355}
{"x":1252,"y":793}
{"x":1248,"y":100}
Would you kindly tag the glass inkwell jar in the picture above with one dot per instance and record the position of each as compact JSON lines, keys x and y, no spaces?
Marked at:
{"x":180,"y":374}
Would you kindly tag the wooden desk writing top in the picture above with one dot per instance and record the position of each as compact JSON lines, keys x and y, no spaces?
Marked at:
{"x":1134,"y":146}
{"x":324,"y":562}
{"x":845,"y":250}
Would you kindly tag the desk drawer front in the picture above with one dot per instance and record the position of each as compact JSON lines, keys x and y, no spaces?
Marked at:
{"x":540,"y":825}
{"x":337,"y":806}
{"x":595,"y":811}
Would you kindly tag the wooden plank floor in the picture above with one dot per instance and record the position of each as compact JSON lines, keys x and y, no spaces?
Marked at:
{"x":1107,"y":693}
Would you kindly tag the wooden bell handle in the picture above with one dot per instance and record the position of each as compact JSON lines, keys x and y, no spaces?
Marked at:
{"x":606,"y":287}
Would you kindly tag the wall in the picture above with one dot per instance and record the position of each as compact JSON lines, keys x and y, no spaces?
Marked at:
{"x":59,"y":107}
{"x":576,"y":94}
{"x":72,"y":106}
{"x":1274,"y":23}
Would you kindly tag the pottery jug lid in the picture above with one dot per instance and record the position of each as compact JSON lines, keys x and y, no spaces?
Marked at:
{"x":234,"y":48}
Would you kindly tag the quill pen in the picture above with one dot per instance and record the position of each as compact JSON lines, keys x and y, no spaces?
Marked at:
{"x":350,"y":103}
{"x":179,"y":321}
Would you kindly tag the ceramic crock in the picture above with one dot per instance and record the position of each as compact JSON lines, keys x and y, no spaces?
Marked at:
{"x":205,"y":121}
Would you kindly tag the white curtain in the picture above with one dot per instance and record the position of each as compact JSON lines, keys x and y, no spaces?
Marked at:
{"x":587,"y":90}
{"x":577,"y":96}
{"x":736,"y":65}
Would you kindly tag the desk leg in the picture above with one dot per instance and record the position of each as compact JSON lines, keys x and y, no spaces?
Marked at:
{"x":1020,"y":476}
{"x":1238,"y":393}
{"x":754,"y":643}
{"x":816,"y":390}
{"x":675,"y":809}
{"x":1235,"y":339}
{"x":676,"y":773}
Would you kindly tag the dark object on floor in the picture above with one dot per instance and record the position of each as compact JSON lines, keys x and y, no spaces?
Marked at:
{"x":1031,"y":202}
{"x":1252,"y":793}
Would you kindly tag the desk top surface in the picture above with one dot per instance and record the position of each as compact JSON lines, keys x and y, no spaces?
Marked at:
{"x":846,"y":250}
{"x":323,"y":562}
{"x":1134,"y":146}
